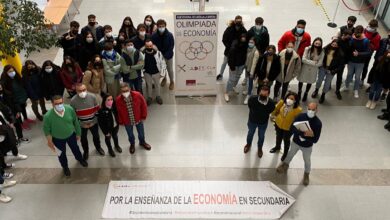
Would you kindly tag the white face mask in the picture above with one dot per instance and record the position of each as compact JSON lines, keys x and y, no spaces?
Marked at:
{"x":83,"y":94}
{"x":49,"y":70}
{"x":126,"y":94}
{"x":258,"y":27}
{"x":148,"y":23}
{"x":311,"y":113}
{"x":161,"y":29}
{"x":130,"y":48}
{"x":142,"y":33}
{"x":109,"y":34}
{"x":89,"y":39}
{"x":369,"y":29}
{"x":289,"y":50}
{"x":290,"y":102}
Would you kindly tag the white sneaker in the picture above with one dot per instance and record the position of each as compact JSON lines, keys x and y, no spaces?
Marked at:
{"x":236,"y":90}
{"x":245,"y":92}
{"x":244,"y":82}
{"x":4,"y":198}
{"x":368,"y":104}
{"x":227,"y":98}
{"x":8,"y":183}
{"x":8,"y":175}
{"x":344,"y":89}
{"x":246,"y":100}
{"x":21,"y":157}
{"x":356,"y":94}
{"x":373,"y":105}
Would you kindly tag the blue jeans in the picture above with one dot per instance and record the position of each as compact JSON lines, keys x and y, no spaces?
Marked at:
{"x":375,"y":91}
{"x":261,"y":133}
{"x":223,"y":66}
{"x":323,"y":74}
{"x":61,"y":145}
{"x":140,"y":131}
{"x":354,"y":69}
{"x":250,"y":84}
{"x":234,"y":77}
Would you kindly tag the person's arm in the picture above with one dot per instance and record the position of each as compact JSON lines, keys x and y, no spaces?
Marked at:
{"x":277,"y":108}
{"x":231,"y":57}
{"x":108,"y":70}
{"x":76,"y":124}
{"x":140,"y":64}
{"x":320,"y":60}
{"x":124,"y":67}
{"x":298,"y":66}
{"x":47,"y":131}
{"x":144,"y":108}
{"x":306,"y":59}
{"x":87,"y":81}
{"x":282,"y":43}
{"x":254,"y":62}
{"x":295,"y":130}
{"x":225,"y":38}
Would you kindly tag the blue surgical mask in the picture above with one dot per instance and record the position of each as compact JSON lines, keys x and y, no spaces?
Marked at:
{"x":130,"y":49}
{"x":59,"y":107}
{"x":161,"y":29}
{"x":109,"y":53}
{"x":12,"y":74}
{"x":300,"y":30}
{"x":251,"y":45}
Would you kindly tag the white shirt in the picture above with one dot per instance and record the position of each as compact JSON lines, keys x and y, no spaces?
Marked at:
{"x":61,"y":114}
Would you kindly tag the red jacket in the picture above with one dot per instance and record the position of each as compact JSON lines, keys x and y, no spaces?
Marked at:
{"x":290,"y":37}
{"x":374,"y":38}
{"x":67,"y":80}
{"x":139,"y":108}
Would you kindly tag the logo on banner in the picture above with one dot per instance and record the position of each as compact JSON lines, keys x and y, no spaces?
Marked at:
{"x":196,"y":50}
{"x":190,"y":82}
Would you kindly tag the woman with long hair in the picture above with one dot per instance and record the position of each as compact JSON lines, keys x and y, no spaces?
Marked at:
{"x":51,"y":80}
{"x":93,"y":78}
{"x":151,"y":26}
{"x":127,"y":29}
{"x":70,"y":74}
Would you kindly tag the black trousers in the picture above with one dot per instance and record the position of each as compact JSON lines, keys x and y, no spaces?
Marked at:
{"x":339,"y":79}
{"x":14,"y":151}
{"x":95,"y":136}
{"x":114,"y":135}
{"x":283,"y":135}
{"x":277,"y":88}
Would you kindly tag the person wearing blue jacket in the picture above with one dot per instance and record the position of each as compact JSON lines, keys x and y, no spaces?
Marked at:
{"x":304,"y":141}
{"x":165,"y":43}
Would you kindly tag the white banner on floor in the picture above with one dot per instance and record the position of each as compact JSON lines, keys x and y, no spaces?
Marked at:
{"x":196,"y":39}
{"x":195,"y":199}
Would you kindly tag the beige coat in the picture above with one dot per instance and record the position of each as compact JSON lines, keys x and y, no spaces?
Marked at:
{"x":94,"y":81}
{"x":294,"y":67}
{"x":310,"y":67}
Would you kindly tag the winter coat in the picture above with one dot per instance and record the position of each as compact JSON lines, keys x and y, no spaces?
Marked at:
{"x":132,"y":64}
{"x":289,"y":36}
{"x":138,"y":42}
{"x":106,"y":119}
{"x":32,"y":81}
{"x":284,"y":122}
{"x":237,"y":54}
{"x":52,"y":83}
{"x":14,"y":92}
{"x":383,"y":74}
{"x":112,"y":68}
{"x":139,"y":108}
{"x":71,"y":47}
{"x":68,"y":81}
{"x":165,"y":43}
{"x":337,"y":63}
{"x":362,"y":46}
{"x":99,"y":32}
{"x":345,"y":47}
{"x":384,"y":45}
{"x":260,"y":69}
{"x":309,"y":69}
{"x":250,"y":54}
{"x":261,"y":37}
{"x":94,"y":81}
{"x":230,"y":35}
{"x":294,"y":67}
{"x":88,"y":51}
{"x":374,"y":39}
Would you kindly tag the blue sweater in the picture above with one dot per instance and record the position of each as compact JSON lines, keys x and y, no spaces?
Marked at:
{"x":315,"y":125}
{"x":165,"y":43}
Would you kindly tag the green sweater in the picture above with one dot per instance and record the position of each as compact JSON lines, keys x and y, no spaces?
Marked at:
{"x":61,"y":127}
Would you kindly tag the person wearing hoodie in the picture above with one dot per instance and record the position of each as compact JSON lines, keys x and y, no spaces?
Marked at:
{"x":371,"y":33}
{"x":250,"y":53}
{"x":108,"y":123}
{"x":132,"y":63}
{"x":154,"y":65}
{"x":32,"y":81}
{"x":93,"y":27}
{"x":290,"y":66}
{"x":232,"y":33}
{"x":89,"y":48}
{"x":112,"y":68}
{"x":260,"y":34}
{"x":51,"y":80}
{"x":141,"y":37}
{"x":93,"y":78}
{"x":236,"y":62}
{"x":298,"y":36}
{"x":360,"y":47}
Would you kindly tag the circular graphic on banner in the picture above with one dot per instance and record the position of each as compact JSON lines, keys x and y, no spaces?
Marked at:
{"x":196,"y":49}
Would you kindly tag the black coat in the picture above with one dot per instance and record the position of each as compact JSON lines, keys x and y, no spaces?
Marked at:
{"x":337,"y":63}
{"x":230,"y":35}
{"x":261,"y":68}
{"x":382,"y":74}
{"x":237,"y":54}
{"x":346,"y":48}
{"x":88,"y":50}
{"x":99,"y":32}
{"x":10,"y":139}
{"x":32,"y":82}
{"x":261,"y":37}
{"x":106,"y":119}
{"x":71,"y":47}
{"x":52,"y":83}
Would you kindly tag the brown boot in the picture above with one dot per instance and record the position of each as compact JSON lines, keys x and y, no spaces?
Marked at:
{"x":163,"y":82}
{"x":306,"y":179}
{"x":283,"y":167}
{"x":247,"y":148}
{"x":260,"y":153}
{"x":146,"y":146}
{"x":171,"y":85}
{"x":132,"y":149}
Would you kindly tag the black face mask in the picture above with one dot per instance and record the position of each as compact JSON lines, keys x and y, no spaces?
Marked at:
{"x":75,"y":32}
{"x":91,"y":23}
{"x":69,"y":65}
{"x":149,"y":50}
{"x":263,"y":97}
{"x":98,"y":64}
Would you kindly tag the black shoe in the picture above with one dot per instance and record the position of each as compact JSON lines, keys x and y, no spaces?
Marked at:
{"x":314,"y":94}
{"x":338,"y":94}
{"x":149,"y":101}
{"x":387,"y":126}
{"x":100,"y":151}
{"x":384,"y":110}
{"x":368,"y":90}
{"x":40,"y":118}
{"x":383,"y":97}
{"x":283,"y":156}
{"x":132,"y":149}
{"x":219,"y":77}
{"x":111,"y":152}
{"x":322,"y":99}
{"x":304,"y":97}
{"x":384,"y":116}
{"x":66,"y":171}
{"x":85,"y":155}
{"x":84,"y":163}
{"x":274,"y":150}
{"x":118,"y":149}
{"x":159,"y":100}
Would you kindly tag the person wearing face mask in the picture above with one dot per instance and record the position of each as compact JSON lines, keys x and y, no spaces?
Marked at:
{"x":150,"y":25}
{"x":93,"y":27}
{"x":360,"y":48}
{"x":333,"y":64}
{"x":132,"y":111}
{"x":165,"y":43}
{"x":290,"y":66}
{"x":51,"y":80}
{"x":250,"y":53}
{"x":304,"y":140}
{"x":260,"y":107}
{"x":89,"y":49}
{"x":236,"y":61}
{"x":112,"y":68}
{"x":141,"y":37}
{"x":32,"y":81}
{"x":93,"y":78}
{"x":58,"y":136}
{"x":298,"y":36}
{"x":345,"y":47}
{"x":108,"y":37}
{"x":284,"y":114}
{"x":108,"y":123}
{"x":86,"y":108}
{"x":349,"y":26}
{"x":311,"y":62}
{"x":70,"y":74}
{"x":132,"y":63}
{"x":233,"y":32}
{"x":260,"y":33}
{"x":71,"y":41}
{"x":127,"y":28}
{"x":373,"y":36}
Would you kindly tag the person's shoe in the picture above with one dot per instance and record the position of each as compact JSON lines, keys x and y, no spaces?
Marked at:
{"x":284,"y":156}
{"x":344,"y":89}
{"x":383,"y":97}
{"x":111,"y":152}
{"x":304,"y":98}
{"x":8,"y":183}
{"x":387,"y":126}
{"x":146,"y":146}
{"x":247,"y":148}
{"x":322,"y":98}
{"x":66,"y":171}
{"x":132,"y":149}
{"x":384,"y":116}
{"x":4,"y":198}
{"x":118,"y":149}
{"x":274,"y":150}
{"x":244,"y":82}
{"x":163,"y":82}
{"x":21,"y":157}
{"x":84,"y":163}
{"x":8,"y":175}
{"x":172,"y":85}
{"x":244,"y":92}
{"x":219,"y":77}
{"x":149,"y":101}
{"x":159,"y":100}
{"x":24,"y":140}
{"x":356,"y":94}
{"x":384,"y":110}
{"x":368,"y":104}
{"x":260,"y":153}
{"x":338,"y":94}
{"x":246,"y":100}
{"x":314,"y":94}
{"x":368,"y":90}
{"x":282,"y":168}
{"x":85,"y":155}
{"x":236,"y":90}
{"x":40,"y":118}
{"x":373,"y":105}
{"x":306,"y":179}
{"x":9,"y":165}
{"x":25,"y":126}
{"x":227,"y":98}
{"x":100,"y":151}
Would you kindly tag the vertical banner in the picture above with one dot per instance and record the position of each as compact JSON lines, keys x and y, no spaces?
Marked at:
{"x":196,"y":39}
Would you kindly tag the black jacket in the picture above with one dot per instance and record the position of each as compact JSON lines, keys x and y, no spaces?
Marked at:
{"x":346,"y":48}
{"x":382,"y":73}
{"x":261,"y":68}
{"x":259,"y":113}
{"x":88,"y":50}
{"x":106,"y":119}
{"x":99,"y":32}
{"x":32,"y":82}
{"x":52,"y":83}
{"x":10,"y":139}
{"x":230,"y":35}
{"x":383,"y":47}
{"x":237,"y":54}
{"x":337,"y":63}
{"x":71,"y":47}
{"x":261,"y":37}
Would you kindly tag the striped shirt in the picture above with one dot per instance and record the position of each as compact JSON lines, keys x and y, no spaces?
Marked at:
{"x":86,"y":109}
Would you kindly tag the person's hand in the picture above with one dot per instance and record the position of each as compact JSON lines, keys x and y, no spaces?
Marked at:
{"x":17,"y":115}
{"x":108,"y":135}
{"x":355,"y":53}
{"x":51,"y":145}
{"x":78,"y":138}
{"x":309,"y":133}
{"x":12,"y":126}
{"x":68,"y":37}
